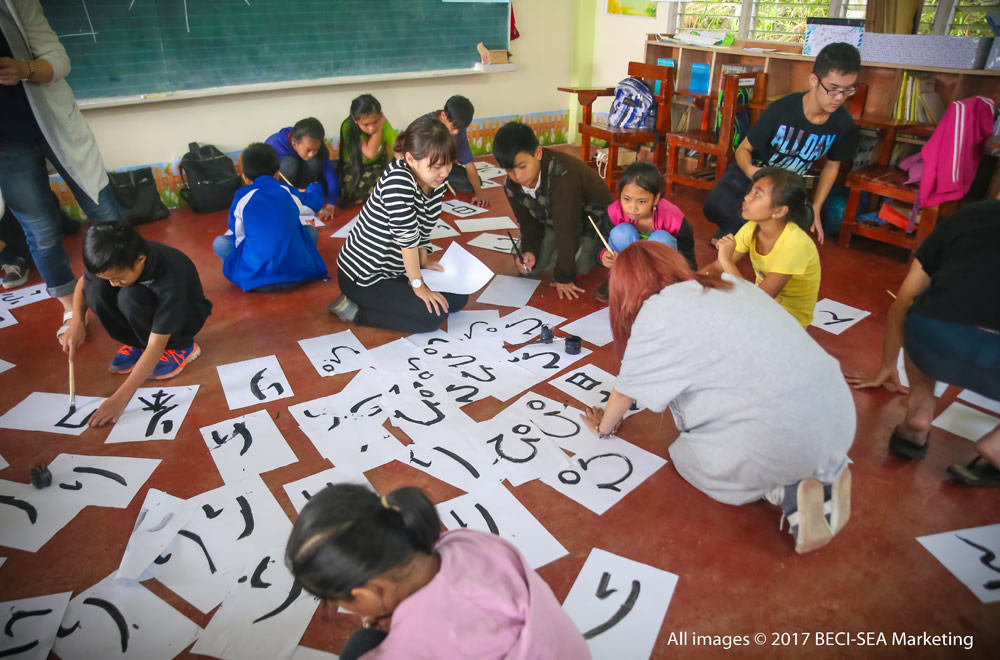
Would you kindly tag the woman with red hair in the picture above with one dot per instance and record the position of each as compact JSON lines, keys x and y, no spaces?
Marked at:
{"x":763,"y":411}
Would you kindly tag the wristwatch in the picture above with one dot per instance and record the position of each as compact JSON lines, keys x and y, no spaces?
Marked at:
{"x":417,"y":283}
{"x":31,"y":70}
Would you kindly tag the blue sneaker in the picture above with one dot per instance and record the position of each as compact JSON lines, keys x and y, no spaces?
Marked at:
{"x":173,"y":362}
{"x":125,"y":360}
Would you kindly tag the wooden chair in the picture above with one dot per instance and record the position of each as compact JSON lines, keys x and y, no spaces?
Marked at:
{"x":618,"y":137}
{"x":705,"y":142}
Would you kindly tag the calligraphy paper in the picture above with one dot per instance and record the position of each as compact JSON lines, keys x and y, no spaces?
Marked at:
{"x":335,"y":354}
{"x":27,"y":522}
{"x":545,"y":360}
{"x":45,"y":411}
{"x":526,"y":323}
{"x":485,"y":224}
{"x":361,"y":444}
{"x":5,"y":365}
{"x":23,"y":296}
{"x":501,"y":380}
{"x":30,"y":625}
{"x":489,"y":172}
{"x":455,"y":461}
{"x":6,"y":318}
{"x":122,"y":619}
{"x":306,"y":653}
{"x":509,"y":291}
{"x":486,"y":184}
{"x":160,"y":518}
{"x":967,"y":422}
{"x":970,"y":555}
{"x":590,"y":385}
{"x":835,"y":317}
{"x":253,"y":381}
{"x":153,"y":413}
{"x":619,"y":605}
{"x":463,"y":273}
{"x":519,"y":449}
{"x":110,"y":481}
{"x":496,"y":510}
{"x":3,"y":463}
{"x":939,"y":388}
{"x":442,"y":230}
{"x":346,"y":229}
{"x":460,"y":208}
{"x":979,"y":400}
{"x":250,"y":444}
{"x":594,"y":328}
{"x":476,"y":323}
{"x":494,"y":242}
{"x":301,"y":491}
{"x":560,"y":423}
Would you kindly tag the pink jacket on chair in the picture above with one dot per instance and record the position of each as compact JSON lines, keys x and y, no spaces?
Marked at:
{"x":953,"y":153}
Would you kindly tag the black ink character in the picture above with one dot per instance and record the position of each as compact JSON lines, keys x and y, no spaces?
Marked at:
{"x":65,"y":424}
{"x":490,"y":523}
{"x":107,"y":474}
{"x":572,"y":477}
{"x":521,"y":430}
{"x":835,"y":319}
{"x":255,"y":386}
{"x":530,"y":331}
{"x":986,"y":560}
{"x":329,"y":368}
{"x":583,"y":381}
{"x":159,"y":408}
{"x":626,"y":607}
{"x":239,"y":429}
{"x":9,"y":630}
{"x":433,"y":405}
{"x":471,"y":392}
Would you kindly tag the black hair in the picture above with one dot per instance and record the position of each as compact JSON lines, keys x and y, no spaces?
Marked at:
{"x":110,"y":246}
{"x":644,"y":174}
{"x":366,"y":104}
{"x":788,"y":189}
{"x":459,"y":111}
{"x":427,"y":137}
{"x":346,"y":535}
{"x":512,"y":139}
{"x":840,"y":57}
{"x":260,"y":159}
{"x":309,"y":127}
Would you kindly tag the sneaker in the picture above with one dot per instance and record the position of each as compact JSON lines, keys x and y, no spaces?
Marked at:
{"x":837,"y":501}
{"x":802,"y":506}
{"x":343,"y":308}
{"x":173,"y":362}
{"x":602,"y":293}
{"x":15,"y":274}
{"x":124,"y":362}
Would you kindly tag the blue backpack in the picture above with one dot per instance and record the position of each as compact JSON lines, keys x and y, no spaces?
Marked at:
{"x":634,"y":105}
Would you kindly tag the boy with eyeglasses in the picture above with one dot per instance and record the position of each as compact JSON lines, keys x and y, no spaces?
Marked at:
{"x":793,"y":133}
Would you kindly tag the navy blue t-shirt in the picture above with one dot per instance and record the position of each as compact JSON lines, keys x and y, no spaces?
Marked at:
{"x":784,"y":138}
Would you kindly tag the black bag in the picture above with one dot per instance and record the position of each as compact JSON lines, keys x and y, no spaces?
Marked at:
{"x":136,"y":194}
{"x":210,"y":179}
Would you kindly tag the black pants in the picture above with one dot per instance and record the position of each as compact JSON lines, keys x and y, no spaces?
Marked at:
{"x":300,"y":173}
{"x":722,"y":206}
{"x":391,"y":304}
{"x":459,"y":179}
{"x":362,"y":641}
{"x":127,"y":314}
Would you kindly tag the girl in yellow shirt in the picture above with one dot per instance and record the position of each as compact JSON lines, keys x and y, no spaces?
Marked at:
{"x":783,"y":256}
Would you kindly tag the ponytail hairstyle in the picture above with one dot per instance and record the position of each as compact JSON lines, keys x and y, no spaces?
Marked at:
{"x":645,"y":175}
{"x":346,"y":535}
{"x":641,"y":270}
{"x":788,"y":189}
{"x":427,"y":137}
{"x":366,"y":104}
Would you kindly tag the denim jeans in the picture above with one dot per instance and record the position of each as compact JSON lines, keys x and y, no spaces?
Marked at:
{"x":25,"y":184}
{"x":624,"y":235}
{"x":954,"y":353}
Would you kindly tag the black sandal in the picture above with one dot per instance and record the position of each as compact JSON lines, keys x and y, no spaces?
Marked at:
{"x":983,"y":475}
{"x":900,"y":446}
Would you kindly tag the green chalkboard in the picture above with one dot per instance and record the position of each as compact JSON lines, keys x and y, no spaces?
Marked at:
{"x":132,"y":47}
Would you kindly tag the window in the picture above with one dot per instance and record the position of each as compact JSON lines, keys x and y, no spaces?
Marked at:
{"x":774,"y":20}
{"x":764,"y":20}
{"x":703,"y":15}
{"x":969,"y":19}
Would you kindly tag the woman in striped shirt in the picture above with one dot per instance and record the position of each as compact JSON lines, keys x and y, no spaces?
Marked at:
{"x":379,"y":265}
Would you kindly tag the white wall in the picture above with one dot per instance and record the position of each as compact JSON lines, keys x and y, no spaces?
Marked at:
{"x":159,"y":132}
{"x":619,"y":40}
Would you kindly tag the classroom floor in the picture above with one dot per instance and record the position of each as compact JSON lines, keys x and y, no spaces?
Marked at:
{"x":738,"y":574}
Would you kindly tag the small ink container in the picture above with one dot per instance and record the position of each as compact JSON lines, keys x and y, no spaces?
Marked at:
{"x":572,"y":345}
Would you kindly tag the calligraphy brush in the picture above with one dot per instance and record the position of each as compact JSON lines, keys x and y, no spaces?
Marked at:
{"x":284,"y":179}
{"x":517,"y":251}
{"x":72,"y":389}
{"x":452,"y":190}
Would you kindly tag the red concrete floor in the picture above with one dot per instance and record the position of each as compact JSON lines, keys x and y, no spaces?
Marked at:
{"x":738,"y":574}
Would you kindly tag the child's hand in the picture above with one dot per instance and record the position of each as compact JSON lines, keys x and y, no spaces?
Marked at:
{"x":432,"y":264}
{"x":74,"y":336}
{"x":817,"y":227}
{"x":592,"y":418}
{"x":326,"y":213}
{"x":608,"y":258}
{"x":436,"y":303}
{"x":480,"y":201}
{"x":887,"y":377}
{"x":570,"y":291}
{"x":109,"y":411}
{"x":528,"y":259}
{"x":726,"y":247}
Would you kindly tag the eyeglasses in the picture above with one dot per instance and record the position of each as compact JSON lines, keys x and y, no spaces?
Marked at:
{"x":844,"y":93}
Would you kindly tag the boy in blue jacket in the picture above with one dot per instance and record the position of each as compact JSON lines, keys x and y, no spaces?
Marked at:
{"x":304,"y":159}
{"x":267,"y":247}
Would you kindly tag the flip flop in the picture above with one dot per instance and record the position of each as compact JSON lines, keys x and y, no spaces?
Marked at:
{"x":976,"y":474}
{"x":900,"y":446}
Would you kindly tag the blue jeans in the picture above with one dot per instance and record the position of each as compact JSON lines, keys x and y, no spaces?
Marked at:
{"x":223,"y":245}
{"x":954,"y":353}
{"x":25,"y":184}
{"x":624,"y":235}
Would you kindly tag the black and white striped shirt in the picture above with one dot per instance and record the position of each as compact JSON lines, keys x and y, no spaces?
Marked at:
{"x":397,"y":215}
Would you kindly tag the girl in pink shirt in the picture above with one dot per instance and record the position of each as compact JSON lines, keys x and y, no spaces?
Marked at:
{"x":460,"y":594}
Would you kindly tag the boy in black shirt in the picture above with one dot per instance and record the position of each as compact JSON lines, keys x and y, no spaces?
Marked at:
{"x":793,"y":133}
{"x":149,"y":297}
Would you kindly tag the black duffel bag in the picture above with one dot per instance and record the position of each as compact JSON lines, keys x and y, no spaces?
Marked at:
{"x":136,"y":194}
{"x":210,"y":179}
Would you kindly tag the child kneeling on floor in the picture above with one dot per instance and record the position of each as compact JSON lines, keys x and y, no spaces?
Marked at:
{"x":148,"y":296}
{"x":461,"y":594}
{"x":267,"y":247}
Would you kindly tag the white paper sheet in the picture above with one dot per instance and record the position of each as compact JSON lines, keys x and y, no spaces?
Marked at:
{"x":619,"y":605}
{"x":3,"y":463}
{"x":594,"y":328}
{"x":454,"y":460}
{"x":525,"y":324}
{"x":6,"y":318}
{"x":251,"y":444}
{"x":335,"y":354}
{"x":519,"y":449}
{"x":2,"y":560}
{"x":255,"y":381}
{"x":461,"y":209}
{"x":27,"y":522}
{"x":967,"y":422}
{"x":154,"y":413}
{"x":431,"y":248}
{"x":501,"y":380}
{"x":490,"y":172}
{"x":509,"y":291}
{"x":496,"y":510}
{"x":264,"y":616}
{"x":485,"y":224}
{"x":474,"y":324}
{"x":546,"y":360}
{"x":486,"y":184}
{"x":110,"y":481}
{"x":835,"y":317}
{"x":426,"y":411}
{"x":939,"y":388}
{"x":603,"y":476}
{"x":560,"y":423}
{"x":979,"y":400}
{"x":360,"y":444}
{"x":346,"y":229}
{"x":45,"y":411}
{"x":463,"y":273}
{"x":442,"y":230}
{"x":31,"y":624}
{"x":494,"y":242}
{"x":463,"y":354}
{"x":123,"y":619}
{"x":305,"y":653}
{"x":160,"y":518}
{"x":590,"y":385}
{"x":970,"y":555}
{"x":301,"y":491}
{"x":23,"y":296}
